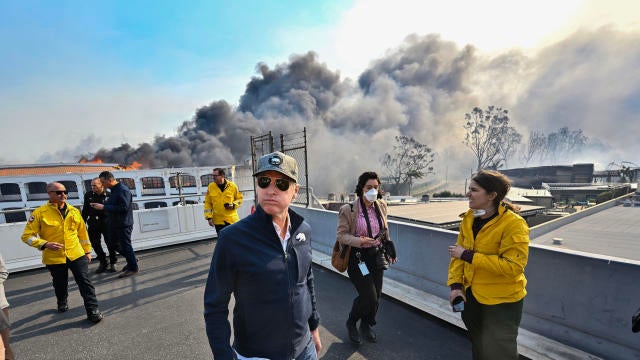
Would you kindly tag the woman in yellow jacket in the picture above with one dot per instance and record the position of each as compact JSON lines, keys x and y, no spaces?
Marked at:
{"x":486,"y":270}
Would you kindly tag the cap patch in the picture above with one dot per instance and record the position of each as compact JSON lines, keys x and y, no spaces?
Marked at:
{"x":275,"y":160}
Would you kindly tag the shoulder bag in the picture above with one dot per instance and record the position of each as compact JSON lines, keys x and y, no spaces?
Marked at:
{"x":340,"y":256}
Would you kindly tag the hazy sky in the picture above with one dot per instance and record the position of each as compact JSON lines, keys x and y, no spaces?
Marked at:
{"x":80,"y":75}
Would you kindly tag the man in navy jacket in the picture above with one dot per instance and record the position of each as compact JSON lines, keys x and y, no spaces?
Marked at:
{"x":264,"y":260}
{"x":120,"y":217}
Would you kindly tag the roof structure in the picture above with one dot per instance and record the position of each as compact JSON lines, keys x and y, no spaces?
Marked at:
{"x":49,"y":169}
{"x":517,"y":191}
{"x":444,"y":214}
{"x":611,"y":232}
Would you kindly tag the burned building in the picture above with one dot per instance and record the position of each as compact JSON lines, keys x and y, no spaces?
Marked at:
{"x":533,"y":177}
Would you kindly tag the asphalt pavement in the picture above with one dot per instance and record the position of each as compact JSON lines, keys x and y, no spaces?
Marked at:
{"x":157,"y":314}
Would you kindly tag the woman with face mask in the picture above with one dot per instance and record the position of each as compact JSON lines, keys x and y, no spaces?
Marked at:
{"x":486,"y":269}
{"x":362,"y":226}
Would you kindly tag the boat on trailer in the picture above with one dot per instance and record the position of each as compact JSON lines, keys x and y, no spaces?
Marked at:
{"x":168,"y":203}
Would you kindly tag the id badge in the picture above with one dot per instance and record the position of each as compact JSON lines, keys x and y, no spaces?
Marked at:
{"x":363,"y":269}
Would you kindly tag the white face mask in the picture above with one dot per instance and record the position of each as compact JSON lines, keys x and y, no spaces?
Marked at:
{"x":371,"y":195}
{"x":479,"y":212}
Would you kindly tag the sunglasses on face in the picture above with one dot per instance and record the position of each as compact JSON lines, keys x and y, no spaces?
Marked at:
{"x":60,"y":192}
{"x":281,"y":184}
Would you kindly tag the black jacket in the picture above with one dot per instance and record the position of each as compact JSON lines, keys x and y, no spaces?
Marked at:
{"x":118,"y":206}
{"x":89,"y":214}
{"x":275,"y":303}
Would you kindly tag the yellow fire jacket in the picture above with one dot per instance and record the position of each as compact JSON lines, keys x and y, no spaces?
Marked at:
{"x":47,"y":225}
{"x":496,"y":274}
{"x":214,"y":203}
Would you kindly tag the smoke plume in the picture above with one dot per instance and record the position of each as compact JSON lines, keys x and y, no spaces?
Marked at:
{"x":422,"y":89}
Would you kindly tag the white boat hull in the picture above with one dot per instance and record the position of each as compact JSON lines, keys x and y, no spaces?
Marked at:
{"x":152,"y":228}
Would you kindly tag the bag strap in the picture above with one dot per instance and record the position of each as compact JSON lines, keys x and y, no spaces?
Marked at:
{"x":343,"y":251}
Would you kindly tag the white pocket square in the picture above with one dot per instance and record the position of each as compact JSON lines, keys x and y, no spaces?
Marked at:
{"x":301,"y":237}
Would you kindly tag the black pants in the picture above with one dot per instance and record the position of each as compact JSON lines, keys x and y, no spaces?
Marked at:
{"x":220,"y":227}
{"x":369,"y":287}
{"x":80,"y":270}
{"x":123,"y":236}
{"x":99,"y":229}
{"x":493,"y":328}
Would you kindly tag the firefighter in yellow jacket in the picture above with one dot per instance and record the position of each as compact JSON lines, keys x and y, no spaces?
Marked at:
{"x":58,"y":230}
{"x":222,"y":201}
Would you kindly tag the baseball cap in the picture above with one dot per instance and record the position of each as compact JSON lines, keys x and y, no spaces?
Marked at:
{"x":277,"y":161}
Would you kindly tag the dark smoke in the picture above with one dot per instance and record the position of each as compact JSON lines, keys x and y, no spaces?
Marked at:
{"x":280,"y":100}
{"x":423,"y":88}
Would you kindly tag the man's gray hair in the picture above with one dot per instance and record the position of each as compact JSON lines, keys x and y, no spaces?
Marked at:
{"x":51,"y":185}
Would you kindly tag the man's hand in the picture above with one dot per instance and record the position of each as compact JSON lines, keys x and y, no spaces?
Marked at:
{"x":88,"y":256}
{"x":53,"y":246}
{"x":97,"y":206}
{"x":315,"y":334}
{"x":211,"y":222}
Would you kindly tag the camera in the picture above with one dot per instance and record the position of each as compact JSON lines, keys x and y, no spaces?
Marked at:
{"x":228,"y":206}
{"x":458,"y":304}
{"x":381,"y":259}
{"x":381,"y":254}
{"x":386,"y":244}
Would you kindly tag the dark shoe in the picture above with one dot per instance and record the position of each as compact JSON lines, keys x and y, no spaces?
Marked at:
{"x":127,"y":273}
{"x":125,"y":268}
{"x":112,"y":268}
{"x":101,"y":268}
{"x":354,"y":335}
{"x":62,"y":307}
{"x":367,"y":332}
{"x":95,"y":316}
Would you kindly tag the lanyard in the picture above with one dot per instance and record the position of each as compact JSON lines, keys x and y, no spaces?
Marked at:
{"x":366,"y":216}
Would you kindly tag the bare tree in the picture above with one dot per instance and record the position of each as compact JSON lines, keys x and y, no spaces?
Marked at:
{"x":627,"y":174}
{"x":565,"y":142}
{"x":535,"y":145}
{"x":487,"y":132}
{"x":409,"y":160}
{"x":509,"y":144}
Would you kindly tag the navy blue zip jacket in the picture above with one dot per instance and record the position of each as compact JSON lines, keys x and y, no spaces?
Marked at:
{"x":275,"y":303}
{"x":118,"y":206}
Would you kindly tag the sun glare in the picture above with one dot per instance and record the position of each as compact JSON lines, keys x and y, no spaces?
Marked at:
{"x":372,"y":27}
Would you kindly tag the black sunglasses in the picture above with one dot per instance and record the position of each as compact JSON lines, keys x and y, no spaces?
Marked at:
{"x":60,"y":192}
{"x":282,"y":184}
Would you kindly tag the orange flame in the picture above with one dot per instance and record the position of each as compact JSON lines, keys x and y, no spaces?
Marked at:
{"x":134,"y":166}
{"x":84,"y":160}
